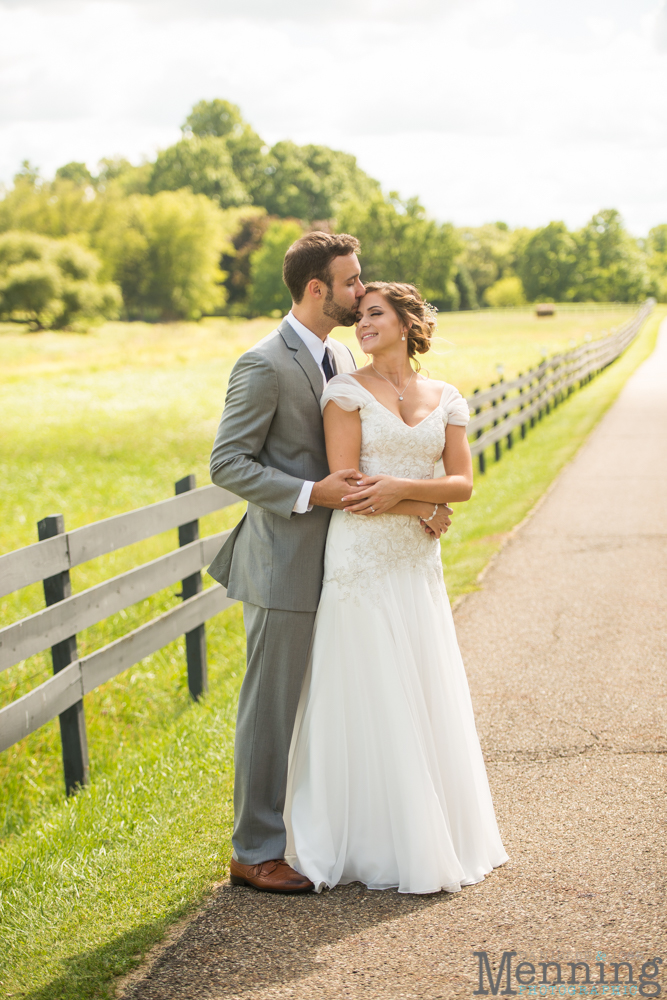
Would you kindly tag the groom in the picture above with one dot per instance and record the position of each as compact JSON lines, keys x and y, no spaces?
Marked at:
{"x":270,"y":451}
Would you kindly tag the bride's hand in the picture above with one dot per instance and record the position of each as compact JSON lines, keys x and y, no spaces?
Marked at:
{"x":379,"y":494}
{"x":440,"y":523}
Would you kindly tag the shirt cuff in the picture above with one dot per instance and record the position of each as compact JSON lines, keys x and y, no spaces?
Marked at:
{"x":303,"y":504}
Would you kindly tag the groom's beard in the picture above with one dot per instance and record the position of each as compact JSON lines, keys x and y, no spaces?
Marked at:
{"x":343,"y":316}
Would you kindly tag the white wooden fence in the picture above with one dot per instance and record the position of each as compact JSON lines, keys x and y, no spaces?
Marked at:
{"x":50,"y":559}
{"x":499,"y":410}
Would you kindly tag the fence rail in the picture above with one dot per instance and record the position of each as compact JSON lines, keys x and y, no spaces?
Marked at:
{"x":74,"y":614}
{"x":497,"y":412}
{"x":61,"y":552}
{"x":82,"y":676}
{"x":56,"y":626}
{"x":519,"y":403}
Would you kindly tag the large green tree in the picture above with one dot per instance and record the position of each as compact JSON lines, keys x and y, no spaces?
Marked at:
{"x":253,"y":223}
{"x":399,"y":243}
{"x":490,"y":253}
{"x":311,"y":182}
{"x":548,"y":264}
{"x":465,"y":287}
{"x":164,"y":251}
{"x":55,"y":209}
{"x":76,"y":172}
{"x":656,"y":254}
{"x":202,"y":164}
{"x":268,"y":293}
{"x":218,"y":118}
{"x":117,"y":172}
{"x":223,"y":120}
{"x":486,"y":254}
{"x":53,"y":283}
{"x":610,"y":265}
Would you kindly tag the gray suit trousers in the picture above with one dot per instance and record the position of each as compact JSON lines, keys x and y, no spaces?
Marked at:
{"x":278,"y":644}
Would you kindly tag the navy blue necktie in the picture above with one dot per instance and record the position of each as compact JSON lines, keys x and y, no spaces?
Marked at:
{"x":326,"y":366}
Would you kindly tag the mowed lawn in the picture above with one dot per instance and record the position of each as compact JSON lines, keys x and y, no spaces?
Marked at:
{"x":101,"y":423}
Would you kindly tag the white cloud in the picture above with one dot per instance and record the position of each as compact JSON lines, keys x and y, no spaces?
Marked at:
{"x":267,"y":10}
{"x":486,"y":109}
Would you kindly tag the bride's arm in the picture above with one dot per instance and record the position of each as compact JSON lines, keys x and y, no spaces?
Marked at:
{"x":385,"y":492}
{"x":342,"y":433}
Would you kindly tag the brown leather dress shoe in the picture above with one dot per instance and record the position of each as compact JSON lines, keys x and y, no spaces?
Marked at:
{"x":269,"y":876}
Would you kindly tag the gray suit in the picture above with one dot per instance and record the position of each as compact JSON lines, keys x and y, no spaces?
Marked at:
{"x":270,"y":440}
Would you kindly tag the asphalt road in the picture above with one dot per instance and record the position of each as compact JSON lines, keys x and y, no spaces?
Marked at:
{"x":566,"y":651}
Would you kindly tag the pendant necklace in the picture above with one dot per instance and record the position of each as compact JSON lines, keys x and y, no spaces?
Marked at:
{"x":399,"y":392}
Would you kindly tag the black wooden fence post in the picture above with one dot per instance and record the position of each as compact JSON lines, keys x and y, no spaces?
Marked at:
{"x":540,"y":399}
{"x":195,"y":641}
{"x":480,"y":457}
{"x":72,"y":720}
{"x":510,"y":440}
{"x":496,"y":444}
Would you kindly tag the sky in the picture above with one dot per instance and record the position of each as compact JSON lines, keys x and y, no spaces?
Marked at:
{"x":516,"y":110}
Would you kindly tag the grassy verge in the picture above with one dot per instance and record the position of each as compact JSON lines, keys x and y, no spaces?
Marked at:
{"x":88,"y":885}
{"x":94,"y":882}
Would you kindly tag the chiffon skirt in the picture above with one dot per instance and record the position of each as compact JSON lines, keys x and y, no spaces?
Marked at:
{"x":386,"y":783}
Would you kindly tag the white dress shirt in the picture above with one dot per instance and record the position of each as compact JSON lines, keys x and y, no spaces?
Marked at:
{"x":317,"y":347}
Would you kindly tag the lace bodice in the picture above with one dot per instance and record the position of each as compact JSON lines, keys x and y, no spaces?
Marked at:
{"x":361,"y":549}
{"x":388,"y":445}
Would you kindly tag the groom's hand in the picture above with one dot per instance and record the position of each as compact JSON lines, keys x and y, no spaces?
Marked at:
{"x":329,"y":492}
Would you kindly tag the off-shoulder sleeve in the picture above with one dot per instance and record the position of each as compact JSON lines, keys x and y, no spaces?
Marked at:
{"x":345,"y":391}
{"x":454,"y":406}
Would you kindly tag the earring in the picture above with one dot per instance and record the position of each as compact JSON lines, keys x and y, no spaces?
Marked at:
{"x":403,"y":337}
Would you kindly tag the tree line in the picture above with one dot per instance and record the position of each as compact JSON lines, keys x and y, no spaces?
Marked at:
{"x":202,"y":229}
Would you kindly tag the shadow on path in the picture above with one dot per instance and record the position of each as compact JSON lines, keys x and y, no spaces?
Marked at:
{"x":245,"y":940}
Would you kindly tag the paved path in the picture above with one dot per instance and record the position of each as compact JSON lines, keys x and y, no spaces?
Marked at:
{"x":566,"y":647}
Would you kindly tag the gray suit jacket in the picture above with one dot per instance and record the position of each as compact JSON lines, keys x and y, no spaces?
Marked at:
{"x":269,"y":442}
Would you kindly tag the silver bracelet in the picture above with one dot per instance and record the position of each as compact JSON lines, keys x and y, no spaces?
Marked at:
{"x":425,"y":520}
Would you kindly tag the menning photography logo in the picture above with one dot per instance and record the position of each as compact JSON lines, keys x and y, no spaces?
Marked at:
{"x":557,"y":978}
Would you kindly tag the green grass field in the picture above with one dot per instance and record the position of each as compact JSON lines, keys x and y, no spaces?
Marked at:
{"x":97,"y":424}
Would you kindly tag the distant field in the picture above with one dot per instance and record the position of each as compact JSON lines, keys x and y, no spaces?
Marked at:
{"x":468,"y":347}
{"x":97,"y":424}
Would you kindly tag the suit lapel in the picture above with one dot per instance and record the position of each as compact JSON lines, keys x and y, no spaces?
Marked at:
{"x":303,"y":357}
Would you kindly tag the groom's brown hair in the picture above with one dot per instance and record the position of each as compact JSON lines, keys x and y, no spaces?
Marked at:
{"x":311,"y":256}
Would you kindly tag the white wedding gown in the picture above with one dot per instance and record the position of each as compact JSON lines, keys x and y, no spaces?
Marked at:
{"x":387,"y":784}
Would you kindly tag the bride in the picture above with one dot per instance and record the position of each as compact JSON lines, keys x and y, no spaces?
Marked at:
{"x":386,"y":782}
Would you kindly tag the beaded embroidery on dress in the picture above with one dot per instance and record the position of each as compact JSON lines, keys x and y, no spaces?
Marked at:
{"x":386,"y":782}
{"x":368,"y":548}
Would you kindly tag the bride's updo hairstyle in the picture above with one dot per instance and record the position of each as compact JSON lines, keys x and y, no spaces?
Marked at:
{"x":416,"y":315}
